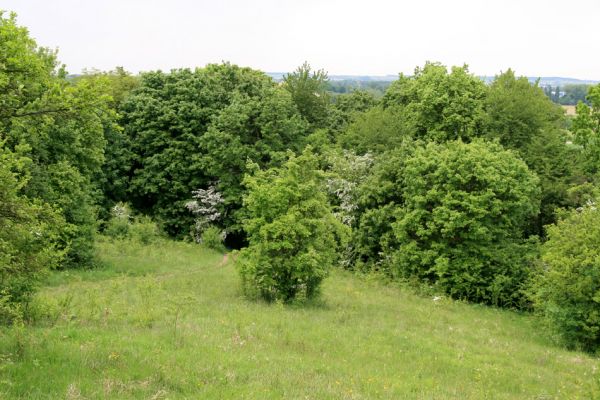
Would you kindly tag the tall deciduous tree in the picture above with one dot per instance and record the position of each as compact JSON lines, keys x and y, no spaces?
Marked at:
{"x":61,"y":125}
{"x":309,"y":92}
{"x":29,"y":231}
{"x":522,"y":118}
{"x":442,"y":106}
{"x":586,"y":128}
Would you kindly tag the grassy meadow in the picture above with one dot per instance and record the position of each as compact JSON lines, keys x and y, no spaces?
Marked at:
{"x":168,"y":321}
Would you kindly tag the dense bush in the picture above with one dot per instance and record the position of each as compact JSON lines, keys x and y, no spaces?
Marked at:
{"x":292,"y":232}
{"x":61,"y":124}
{"x":461,"y":224}
{"x":120,"y":219}
{"x":213,"y":238}
{"x":522,"y":118}
{"x":144,"y":230}
{"x":567,"y":290}
{"x":379,"y":194}
{"x":29,"y":230}
{"x":122,"y":225}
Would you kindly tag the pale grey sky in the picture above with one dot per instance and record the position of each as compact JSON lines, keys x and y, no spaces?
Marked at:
{"x":367,"y":37}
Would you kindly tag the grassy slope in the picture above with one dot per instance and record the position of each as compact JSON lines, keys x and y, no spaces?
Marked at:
{"x":168,"y":322}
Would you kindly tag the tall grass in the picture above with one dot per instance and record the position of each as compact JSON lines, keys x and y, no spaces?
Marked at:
{"x":167,"y":321}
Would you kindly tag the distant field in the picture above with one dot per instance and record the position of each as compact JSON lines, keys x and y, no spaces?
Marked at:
{"x":569,"y":110}
{"x":167,"y":322}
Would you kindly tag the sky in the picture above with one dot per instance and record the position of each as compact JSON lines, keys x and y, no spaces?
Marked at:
{"x":373,"y":37}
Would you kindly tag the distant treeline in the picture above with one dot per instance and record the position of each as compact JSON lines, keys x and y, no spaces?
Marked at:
{"x":569,"y":94}
{"x":375,"y":88}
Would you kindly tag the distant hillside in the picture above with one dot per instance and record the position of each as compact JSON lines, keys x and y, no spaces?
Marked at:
{"x":544,"y":81}
{"x":278,"y":76}
{"x":551,"y":80}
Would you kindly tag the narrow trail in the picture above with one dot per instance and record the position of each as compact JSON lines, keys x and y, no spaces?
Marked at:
{"x":224,"y":260}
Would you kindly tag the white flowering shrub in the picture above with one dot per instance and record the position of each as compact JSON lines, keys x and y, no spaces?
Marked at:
{"x":347,"y":172}
{"x":119,"y":223}
{"x":205,"y":207}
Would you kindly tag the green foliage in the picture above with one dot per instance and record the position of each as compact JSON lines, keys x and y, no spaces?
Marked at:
{"x":118,"y":225}
{"x":379,"y":194}
{"x":440,"y":105}
{"x":462,"y":221}
{"x":212,"y":238}
{"x":28,"y":234}
{"x":375,"y":88}
{"x":377,"y":130}
{"x":347,"y":107}
{"x":567,"y":290}
{"x":188,"y":129}
{"x":522,"y":118}
{"x":122,"y":225}
{"x":144,"y":230}
{"x":293,"y":235}
{"x":586,"y":131}
{"x":309,"y":92}
{"x":113,"y":180}
{"x":572,"y":93}
{"x":259,"y":129}
{"x":61,"y":125}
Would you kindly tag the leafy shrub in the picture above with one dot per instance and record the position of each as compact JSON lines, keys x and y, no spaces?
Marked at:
{"x":461,"y":226}
{"x":567,"y":290}
{"x":29,"y":233}
{"x":144,"y":230}
{"x":213,"y":238}
{"x":292,"y":232}
{"x":123,"y":226}
{"x":379,"y":195}
{"x":118,"y":225}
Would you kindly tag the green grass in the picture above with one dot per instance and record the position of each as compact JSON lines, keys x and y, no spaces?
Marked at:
{"x":167,"y":321}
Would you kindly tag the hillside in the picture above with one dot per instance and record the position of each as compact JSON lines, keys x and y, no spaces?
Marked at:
{"x":167,"y":321}
{"x":543,"y":80}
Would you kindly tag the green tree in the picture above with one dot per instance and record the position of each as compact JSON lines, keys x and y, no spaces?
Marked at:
{"x":309,"y":92}
{"x":379,"y":194}
{"x":377,"y":130}
{"x":60,"y":123}
{"x":586,"y":131}
{"x":293,"y":235}
{"x":462,"y":223}
{"x":442,"y":106}
{"x":522,"y":118}
{"x":567,"y":289}
{"x":29,"y":231}
{"x":113,"y":179}
{"x":348,"y":107}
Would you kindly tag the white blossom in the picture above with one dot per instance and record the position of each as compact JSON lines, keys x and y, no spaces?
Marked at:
{"x":204,"y":207}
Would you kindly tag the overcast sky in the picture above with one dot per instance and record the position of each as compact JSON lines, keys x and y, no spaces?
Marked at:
{"x":367,"y":37}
